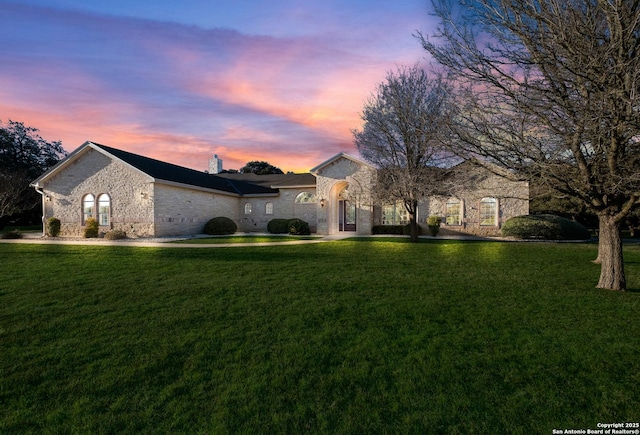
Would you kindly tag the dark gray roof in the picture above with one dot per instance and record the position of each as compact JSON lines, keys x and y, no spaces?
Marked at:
{"x":179,"y":174}
{"x":273,"y":180}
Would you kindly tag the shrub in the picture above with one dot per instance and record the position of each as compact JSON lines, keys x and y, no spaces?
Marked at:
{"x":220,"y":226}
{"x":433,"y":222}
{"x":544,"y":226}
{"x":278,"y":226}
{"x":389,"y":229}
{"x":13,"y":234}
{"x":298,"y":227}
{"x":397,"y":230}
{"x":91,"y":229}
{"x":53,"y":227}
{"x":115,"y":235}
{"x":290,"y":226}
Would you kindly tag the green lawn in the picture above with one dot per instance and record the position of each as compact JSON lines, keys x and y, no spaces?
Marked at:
{"x":353,"y":336}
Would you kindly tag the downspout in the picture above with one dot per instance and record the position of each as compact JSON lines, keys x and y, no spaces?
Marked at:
{"x":44,"y":211}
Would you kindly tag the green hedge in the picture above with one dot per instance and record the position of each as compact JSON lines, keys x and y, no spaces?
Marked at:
{"x":278,"y":226}
{"x":53,"y":227}
{"x":115,"y":235}
{"x":92,"y":228}
{"x":220,"y":226}
{"x":400,"y":230}
{"x":288,"y":226}
{"x":298,"y":227}
{"x":544,"y":226}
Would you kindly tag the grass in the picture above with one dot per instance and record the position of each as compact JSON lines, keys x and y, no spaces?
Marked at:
{"x":375,"y":336}
{"x":245,"y":239}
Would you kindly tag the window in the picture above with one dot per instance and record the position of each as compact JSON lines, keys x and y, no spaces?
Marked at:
{"x":247,"y":208}
{"x":306,"y":198}
{"x":104,"y":209}
{"x":395,"y":214}
{"x":88,"y":202}
{"x":453,"y":212}
{"x":488,"y":211}
{"x":268,"y":208}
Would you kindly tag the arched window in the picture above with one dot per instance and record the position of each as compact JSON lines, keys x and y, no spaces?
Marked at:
{"x":306,"y":198}
{"x":88,"y":203}
{"x":453,"y":212}
{"x":104,"y":209}
{"x":268,"y":208}
{"x":488,"y":211}
{"x":247,"y":208}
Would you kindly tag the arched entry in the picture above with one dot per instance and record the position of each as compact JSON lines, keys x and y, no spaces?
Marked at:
{"x":346,"y":211}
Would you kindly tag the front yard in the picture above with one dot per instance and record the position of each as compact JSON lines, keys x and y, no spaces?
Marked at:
{"x":352,"y":336}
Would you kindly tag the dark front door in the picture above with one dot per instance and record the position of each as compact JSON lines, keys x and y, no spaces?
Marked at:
{"x":347,"y":216}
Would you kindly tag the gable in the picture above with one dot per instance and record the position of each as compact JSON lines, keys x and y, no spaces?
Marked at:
{"x":341,"y":163}
{"x":161,"y":172}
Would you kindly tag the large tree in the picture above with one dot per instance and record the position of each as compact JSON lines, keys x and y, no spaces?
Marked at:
{"x":24,"y":156}
{"x":402,"y":122}
{"x":260,"y":168}
{"x":550,"y":88}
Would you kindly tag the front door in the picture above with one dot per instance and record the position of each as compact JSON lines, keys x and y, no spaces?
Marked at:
{"x":346,"y":215}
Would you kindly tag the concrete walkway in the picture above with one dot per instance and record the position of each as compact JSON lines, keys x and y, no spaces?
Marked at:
{"x":161,"y":242}
{"x":164,"y":242}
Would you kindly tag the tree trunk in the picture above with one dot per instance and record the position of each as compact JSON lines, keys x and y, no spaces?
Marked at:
{"x":610,"y":254}
{"x":414,"y":231}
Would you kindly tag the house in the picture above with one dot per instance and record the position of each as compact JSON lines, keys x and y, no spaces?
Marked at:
{"x":147,"y":197}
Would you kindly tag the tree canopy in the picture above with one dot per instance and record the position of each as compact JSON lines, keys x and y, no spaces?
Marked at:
{"x":24,"y":156}
{"x":550,"y":88}
{"x":260,"y":168}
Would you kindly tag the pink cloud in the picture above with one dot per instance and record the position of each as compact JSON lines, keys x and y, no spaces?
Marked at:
{"x":182,"y":93}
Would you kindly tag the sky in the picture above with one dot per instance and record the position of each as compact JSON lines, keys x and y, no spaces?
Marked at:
{"x":282,"y":81}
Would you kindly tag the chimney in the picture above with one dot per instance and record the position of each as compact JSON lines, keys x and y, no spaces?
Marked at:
{"x":215,"y":165}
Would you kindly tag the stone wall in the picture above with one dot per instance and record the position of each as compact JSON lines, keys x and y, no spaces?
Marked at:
{"x":284,"y":207}
{"x":95,"y":173}
{"x":470,"y":185}
{"x":181,"y":211}
{"x":358,"y":180}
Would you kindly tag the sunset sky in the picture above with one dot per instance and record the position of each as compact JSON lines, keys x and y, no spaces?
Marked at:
{"x":282,"y":81}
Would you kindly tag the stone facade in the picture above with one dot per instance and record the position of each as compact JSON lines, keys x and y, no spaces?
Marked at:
{"x":94,"y":173}
{"x":338,"y":197}
{"x":339,"y":180}
{"x":471,"y":184}
{"x":254,"y":215}
{"x":182,"y":210}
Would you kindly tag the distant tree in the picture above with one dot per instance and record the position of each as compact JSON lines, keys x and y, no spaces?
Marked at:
{"x":551,"y":88}
{"x":24,"y":156}
{"x":260,"y":168}
{"x":400,"y":135}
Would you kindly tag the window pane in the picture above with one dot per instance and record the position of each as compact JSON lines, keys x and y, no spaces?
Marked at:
{"x":247,"y":208}
{"x":453,"y":215}
{"x":88,"y":203}
{"x":488,"y":211}
{"x":305,"y":198}
{"x":104,"y":209}
{"x":395,"y":214}
{"x":269,"y":208}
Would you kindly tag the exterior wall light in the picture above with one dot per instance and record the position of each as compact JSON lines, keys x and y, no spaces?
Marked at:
{"x":322,"y":202}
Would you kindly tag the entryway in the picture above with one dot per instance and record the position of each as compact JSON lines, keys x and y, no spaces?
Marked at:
{"x":346,"y":215}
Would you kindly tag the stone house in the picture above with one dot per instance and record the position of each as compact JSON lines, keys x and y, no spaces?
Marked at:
{"x":147,"y":197}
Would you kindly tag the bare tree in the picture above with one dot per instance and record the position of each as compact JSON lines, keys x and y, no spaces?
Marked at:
{"x":400,"y":136}
{"x":550,"y":88}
